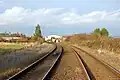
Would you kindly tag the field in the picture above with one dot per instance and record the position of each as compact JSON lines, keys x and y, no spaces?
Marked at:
{"x":6,"y":48}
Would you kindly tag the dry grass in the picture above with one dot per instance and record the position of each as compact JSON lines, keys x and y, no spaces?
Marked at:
{"x":13,"y":62}
{"x":9,"y":47}
{"x":9,"y":72}
{"x":96,"y":42}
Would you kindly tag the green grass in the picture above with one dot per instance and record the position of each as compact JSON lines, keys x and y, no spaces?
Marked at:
{"x":12,"y":46}
{"x":6,"y":48}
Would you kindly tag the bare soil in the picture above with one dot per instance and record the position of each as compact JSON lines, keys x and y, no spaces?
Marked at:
{"x":69,"y":67}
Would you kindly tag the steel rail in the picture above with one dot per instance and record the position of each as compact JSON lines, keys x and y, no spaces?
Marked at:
{"x":26,"y":69}
{"x":114,"y":70}
{"x":82,"y":63}
{"x":50,"y":69}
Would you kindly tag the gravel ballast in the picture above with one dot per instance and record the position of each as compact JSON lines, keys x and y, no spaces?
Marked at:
{"x":69,"y":67}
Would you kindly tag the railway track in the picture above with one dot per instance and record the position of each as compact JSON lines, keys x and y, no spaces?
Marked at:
{"x":98,"y":68}
{"x":40,"y":69}
{"x":86,"y":73}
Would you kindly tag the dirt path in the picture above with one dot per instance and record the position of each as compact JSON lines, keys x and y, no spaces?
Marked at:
{"x":69,"y":67}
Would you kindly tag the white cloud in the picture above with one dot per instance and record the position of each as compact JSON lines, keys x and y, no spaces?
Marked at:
{"x":54,"y":16}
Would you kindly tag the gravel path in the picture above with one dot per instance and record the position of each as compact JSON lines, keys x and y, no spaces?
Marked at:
{"x":69,"y":67}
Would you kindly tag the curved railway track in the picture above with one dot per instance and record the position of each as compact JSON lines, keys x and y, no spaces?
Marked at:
{"x":87,"y":74}
{"x":39,"y":70}
{"x":99,"y":69}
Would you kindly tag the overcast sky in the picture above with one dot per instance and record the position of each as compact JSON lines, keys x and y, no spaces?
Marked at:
{"x":62,"y":17}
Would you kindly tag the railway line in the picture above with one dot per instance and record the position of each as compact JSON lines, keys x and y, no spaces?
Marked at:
{"x":40,"y":69}
{"x":90,"y":67}
{"x":85,"y":72}
{"x":96,"y":69}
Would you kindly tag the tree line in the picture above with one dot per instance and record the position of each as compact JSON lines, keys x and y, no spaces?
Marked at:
{"x":37,"y":36}
{"x":101,"y":32}
{"x":5,"y":34}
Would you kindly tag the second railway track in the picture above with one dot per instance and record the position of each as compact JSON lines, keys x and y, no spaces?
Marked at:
{"x":39,"y":70}
{"x":99,"y":69}
{"x":85,"y":72}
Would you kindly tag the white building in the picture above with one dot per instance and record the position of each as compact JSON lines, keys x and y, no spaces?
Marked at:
{"x":53,"y":38}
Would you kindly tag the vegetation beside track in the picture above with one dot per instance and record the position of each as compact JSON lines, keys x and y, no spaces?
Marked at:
{"x":11,"y":63}
{"x":96,"y":41}
{"x":8,"y":47}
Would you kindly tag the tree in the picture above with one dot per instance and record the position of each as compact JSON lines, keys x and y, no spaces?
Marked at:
{"x":104,"y":32}
{"x":97,"y":31}
{"x":38,"y":31}
{"x":34,"y":38}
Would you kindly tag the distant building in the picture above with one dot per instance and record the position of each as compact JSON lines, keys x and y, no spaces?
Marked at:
{"x":11,"y":38}
{"x":53,"y":38}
